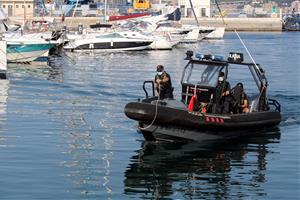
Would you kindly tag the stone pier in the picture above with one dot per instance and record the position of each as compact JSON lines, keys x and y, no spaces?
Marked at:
{"x":231,"y":24}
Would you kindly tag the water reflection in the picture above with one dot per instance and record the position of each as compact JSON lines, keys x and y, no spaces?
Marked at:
{"x":234,"y":169}
{"x":52,"y":71}
{"x":4,"y":84}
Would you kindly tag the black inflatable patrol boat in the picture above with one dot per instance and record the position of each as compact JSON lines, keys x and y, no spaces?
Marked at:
{"x":171,"y":120}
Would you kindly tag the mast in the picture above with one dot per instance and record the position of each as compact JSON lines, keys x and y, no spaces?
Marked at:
{"x":24,"y":13}
{"x":105,"y":10}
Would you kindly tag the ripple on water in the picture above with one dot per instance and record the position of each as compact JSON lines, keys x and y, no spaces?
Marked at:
{"x":63,"y":133}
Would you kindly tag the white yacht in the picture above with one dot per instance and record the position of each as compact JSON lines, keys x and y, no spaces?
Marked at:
{"x":111,"y":41}
{"x":160,"y":41}
{"x":178,"y":32}
{"x":212,"y":32}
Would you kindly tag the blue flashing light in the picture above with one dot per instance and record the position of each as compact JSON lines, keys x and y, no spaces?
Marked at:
{"x":200,"y":56}
{"x":209,"y":57}
{"x":217,"y":58}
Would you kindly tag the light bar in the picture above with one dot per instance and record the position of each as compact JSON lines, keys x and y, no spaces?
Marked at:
{"x":200,"y":56}
{"x":209,"y":57}
{"x":217,"y":58}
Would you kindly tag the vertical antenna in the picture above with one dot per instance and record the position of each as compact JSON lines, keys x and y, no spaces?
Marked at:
{"x":248,"y":52}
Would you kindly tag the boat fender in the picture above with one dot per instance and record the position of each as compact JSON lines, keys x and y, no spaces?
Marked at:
{"x":193,"y":100}
{"x":192,"y":103}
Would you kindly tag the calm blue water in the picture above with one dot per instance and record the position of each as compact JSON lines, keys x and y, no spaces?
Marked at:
{"x":63,"y":134}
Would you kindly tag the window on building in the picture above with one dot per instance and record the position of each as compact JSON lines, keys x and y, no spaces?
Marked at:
{"x":28,"y":6}
{"x":3,"y":6}
{"x":189,"y":12}
{"x":182,"y":10}
{"x":23,"y":6}
{"x":203,"y":12}
{"x":17,"y":6}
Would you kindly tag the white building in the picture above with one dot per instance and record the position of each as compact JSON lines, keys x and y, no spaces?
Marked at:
{"x":201,"y":8}
{"x":295,"y":6}
{"x":18,"y":8}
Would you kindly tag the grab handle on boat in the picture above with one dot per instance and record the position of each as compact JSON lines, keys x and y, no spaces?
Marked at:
{"x":276,"y":104}
{"x":145,"y":90}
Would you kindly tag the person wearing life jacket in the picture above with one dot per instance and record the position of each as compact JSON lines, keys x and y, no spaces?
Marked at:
{"x":240,"y":100}
{"x":163,"y":83}
{"x":244,"y":102}
{"x":222,"y":96}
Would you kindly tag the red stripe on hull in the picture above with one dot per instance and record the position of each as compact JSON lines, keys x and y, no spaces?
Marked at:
{"x":129,"y":16}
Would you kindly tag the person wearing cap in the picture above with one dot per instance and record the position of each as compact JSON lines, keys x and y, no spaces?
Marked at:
{"x":222,"y":97}
{"x":163,"y":83}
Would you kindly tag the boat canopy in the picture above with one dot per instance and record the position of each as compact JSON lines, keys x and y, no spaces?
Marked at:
{"x":204,"y":69}
{"x":110,"y":35}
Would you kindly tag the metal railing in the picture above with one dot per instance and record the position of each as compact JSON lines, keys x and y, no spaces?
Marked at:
{"x":275,"y":103}
{"x":145,"y":90}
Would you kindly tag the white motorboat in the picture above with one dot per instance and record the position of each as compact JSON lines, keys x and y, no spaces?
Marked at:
{"x":183,"y":34}
{"x":112,"y":41}
{"x":160,"y":41}
{"x":158,"y":25}
{"x":147,"y":28}
{"x":22,"y":50}
{"x":211,"y":32}
{"x":27,"y":47}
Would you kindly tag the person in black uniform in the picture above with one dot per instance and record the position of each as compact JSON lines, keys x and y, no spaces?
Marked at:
{"x":163,"y":83}
{"x":240,"y":103}
{"x":222,"y":97}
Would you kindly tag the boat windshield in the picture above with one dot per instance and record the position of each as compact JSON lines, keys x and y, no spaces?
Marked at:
{"x":110,"y":35}
{"x":205,"y":75}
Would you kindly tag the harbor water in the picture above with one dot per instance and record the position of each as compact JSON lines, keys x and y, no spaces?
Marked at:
{"x":63,"y":133}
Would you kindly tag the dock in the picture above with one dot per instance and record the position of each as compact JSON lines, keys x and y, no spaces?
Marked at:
{"x":231,"y":24}
{"x":240,"y":24}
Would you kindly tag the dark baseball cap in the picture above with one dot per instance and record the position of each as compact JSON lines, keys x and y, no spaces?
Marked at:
{"x":159,"y":68}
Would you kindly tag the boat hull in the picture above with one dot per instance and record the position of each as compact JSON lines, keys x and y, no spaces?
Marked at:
{"x":218,"y":33}
{"x":161,"y":44}
{"x":181,"y":124}
{"x":124,"y":46}
{"x":108,"y":44}
{"x":129,"y":16}
{"x":26,"y":52}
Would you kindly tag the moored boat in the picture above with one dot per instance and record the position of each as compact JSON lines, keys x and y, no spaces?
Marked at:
{"x":27,"y":51}
{"x":170,"y":119}
{"x":112,"y":41}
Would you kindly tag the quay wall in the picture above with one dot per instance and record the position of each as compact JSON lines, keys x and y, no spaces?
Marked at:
{"x":231,"y":24}
{"x":240,"y":24}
